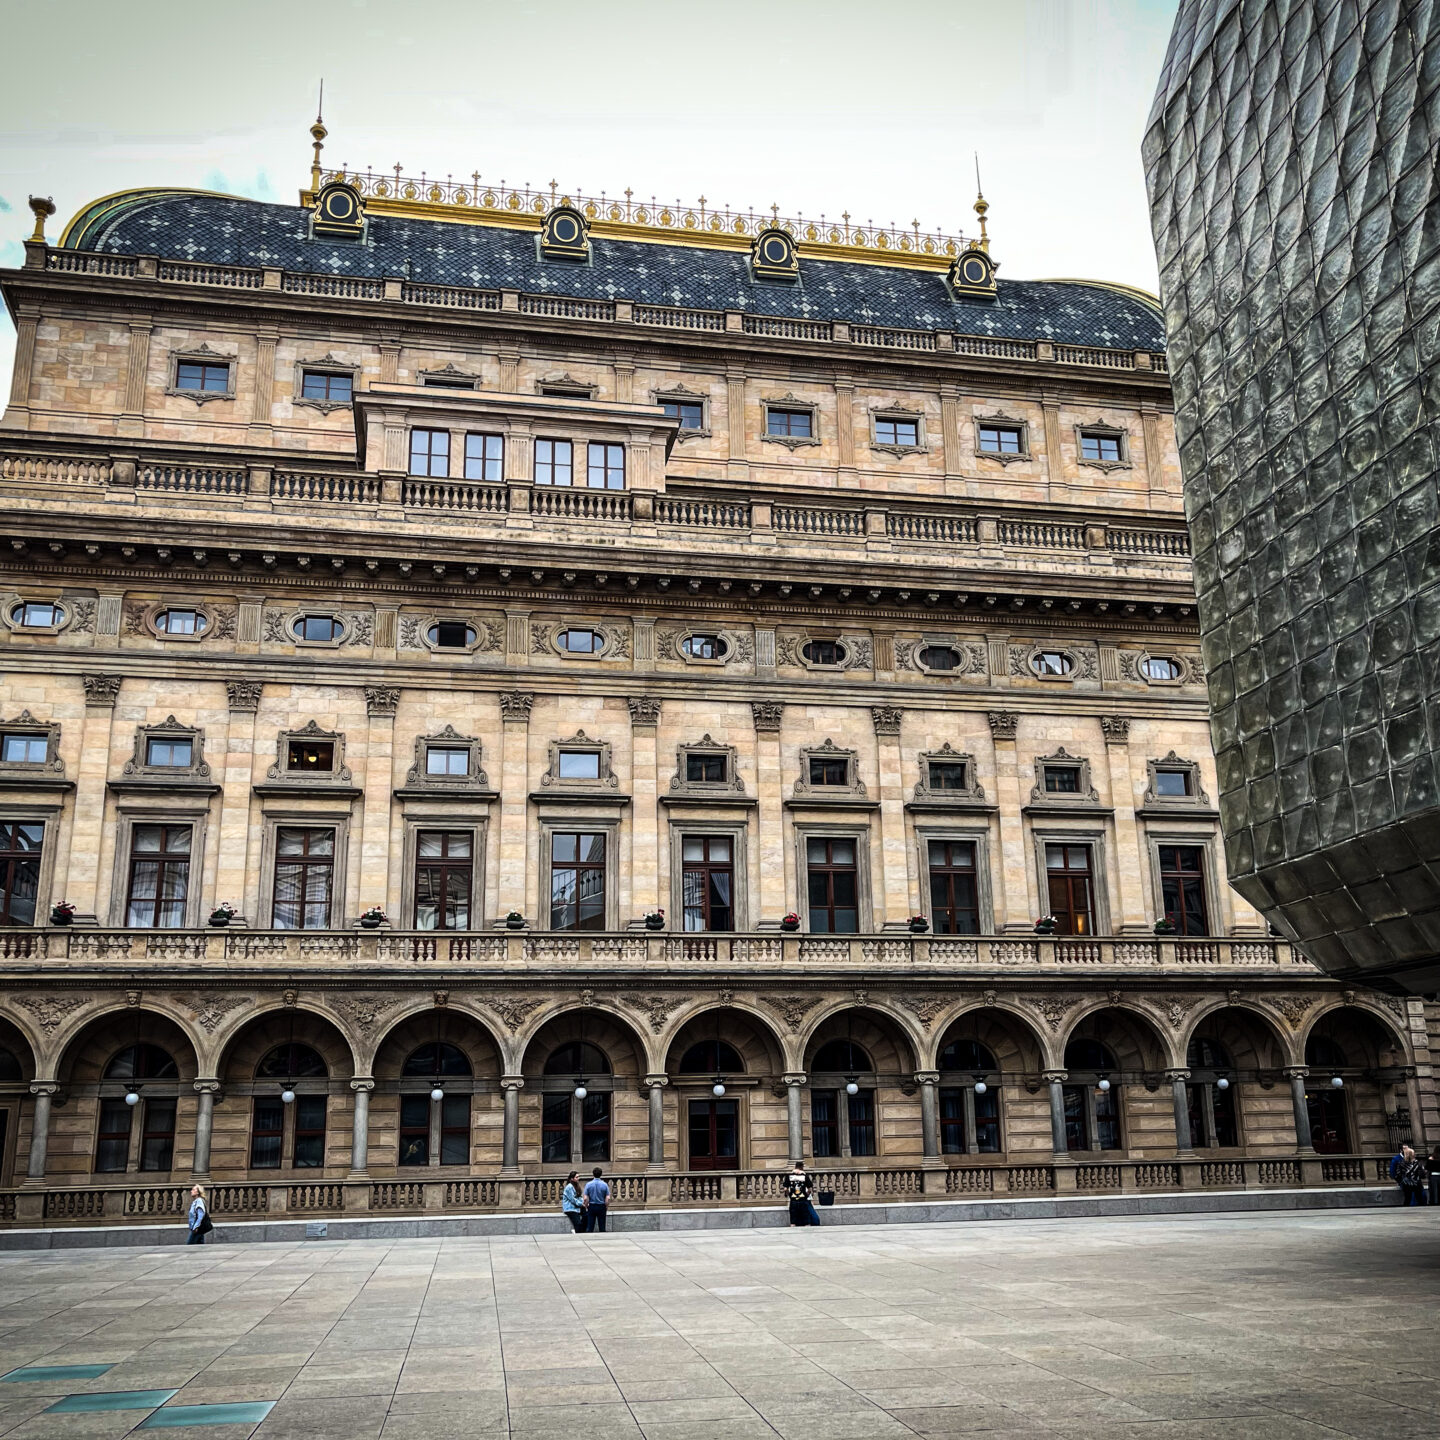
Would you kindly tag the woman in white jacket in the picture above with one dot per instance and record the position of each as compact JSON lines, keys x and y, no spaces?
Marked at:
{"x":199,"y":1216}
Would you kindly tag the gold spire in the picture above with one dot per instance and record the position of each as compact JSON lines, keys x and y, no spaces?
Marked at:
{"x":318,"y":132}
{"x":42,"y":208}
{"x":981,"y":206}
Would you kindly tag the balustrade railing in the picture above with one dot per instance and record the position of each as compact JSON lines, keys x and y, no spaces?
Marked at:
{"x":424,"y":494}
{"x":55,"y":469}
{"x":1149,"y":542}
{"x":1040,"y":534}
{"x":567,"y":307}
{"x":81,"y":262}
{"x":338,"y":287}
{"x":565,"y":503}
{"x":938,"y":529}
{"x":991,"y":345}
{"x":341,"y":489}
{"x":673,"y":318}
{"x":1094,"y":355}
{"x":192,"y":479}
{"x":234,"y":277}
{"x":806,"y":520}
{"x":892,"y":339}
{"x":787,"y":329}
{"x":702,"y":514}
{"x":454,"y":297}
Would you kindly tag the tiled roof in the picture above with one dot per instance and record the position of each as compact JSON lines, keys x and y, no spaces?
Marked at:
{"x":229,"y":231}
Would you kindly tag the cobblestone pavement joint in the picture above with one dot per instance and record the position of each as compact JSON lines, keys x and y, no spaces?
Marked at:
{"x":1205,"y":1328}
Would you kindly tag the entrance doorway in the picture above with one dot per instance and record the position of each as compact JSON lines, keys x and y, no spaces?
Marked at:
{"x":1329,"y":1126}
{"x":714,"y":1135}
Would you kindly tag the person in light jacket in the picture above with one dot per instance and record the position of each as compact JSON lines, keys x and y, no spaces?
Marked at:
{"x":572,"y":1203}
{"x":199,"y":1213}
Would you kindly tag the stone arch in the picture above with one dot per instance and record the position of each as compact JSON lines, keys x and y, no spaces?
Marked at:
{"x":91,"y":1048}
{"x":14,"y":1040}
{"x":423,"y":1004}
{"x":216,"y":1048}
{"x":1143,"y":1044}
{"x":831,"y":1022}
{"x":258,"y":1034}
{"x":276,"y":1016}
{"x":1356,"y":1116}
{"x":1014,"y":1106}
{"x":51,"y":1057}
{"x":452,"y":1026}
{"x":1372,"y":1032}
{"x":764,"y":1054}
{"x":602,"y":1018}
{"x":1224,"y":1014}
{"x":1009,"y":1034}
{"x":1005,"y":1011}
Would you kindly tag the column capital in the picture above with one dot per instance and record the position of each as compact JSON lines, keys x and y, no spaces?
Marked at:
{"x":1296,"y":1072}
{"x":101,"y":690}
{"x":655,"y":1082}
{"x":1116,"y":729}
{"x":244,"y":695}
{"x":794,"y":1080}
{"x":207,"y":1086}
{"x":1002,"y":724}
{"x":927,"y":1077}
{"x":766,"y":715}
{"x":512,"y":1082}
{"x":381,"y":700}
{"x":515,"y":705}
{"x":1054,"y":1077}
{"x":43,"y":1087}
{"x":644,"y":710}
{"x":1173,"y":1075}
{"x":362,"y":1082}
{"x":887,"y":719}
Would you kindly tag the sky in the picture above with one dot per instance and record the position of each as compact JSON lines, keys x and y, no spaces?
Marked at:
{"x":815,"y":105}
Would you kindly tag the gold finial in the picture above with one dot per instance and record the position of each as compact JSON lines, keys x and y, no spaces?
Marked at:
{"x":43,"y":209}
{"x":981,"y":206}
{"x":318,"y":133}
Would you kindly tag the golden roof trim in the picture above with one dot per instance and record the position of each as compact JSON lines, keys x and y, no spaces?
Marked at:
{"x":653,"y":222}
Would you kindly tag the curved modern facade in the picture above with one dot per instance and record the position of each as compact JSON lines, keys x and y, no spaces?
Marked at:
{"x":1291,"y":164}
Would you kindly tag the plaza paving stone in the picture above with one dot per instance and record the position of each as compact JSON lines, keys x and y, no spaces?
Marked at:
{"x":1286,"y":1327}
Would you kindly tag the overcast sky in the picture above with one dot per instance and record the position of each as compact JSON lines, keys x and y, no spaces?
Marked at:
{"x":817,"y":105}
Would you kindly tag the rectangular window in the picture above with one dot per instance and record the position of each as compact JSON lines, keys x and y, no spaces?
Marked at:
{"x":267,"y":1132}
{"x":595,"y":1127}
{"x":554,"y":462}
{"x":439,"y":382}
{"x":1095,"y":445}
{"x":606,"y":464}
{"x":36,"y":615}
{"x":157,"y":1139}
{"x":322,"y":385}
{"x":304,"y":877}
{"x":443,"y":870}
{"x":447,"y":760}
{"x":954,"y":903}
{"x":567,"y":392}
{"x":799,"y":424}
{"x":707,"y":882}
{"x":24,"y":749}
{"x":577,"y":881}
{"x":1062,"y":779}
{"x":862,"y":1122}
{"x":430,"y":453}
{"x":310,"y":755}
{"x":1072,"y":900}
{"x":897,"y":432}
{"x":21,"y":844}
{"x":690,"y":413}
{"x":952,"y":1122}
{"x":555,"y":1129}
{"x":829,"y":772}
{"x":1182,"y":888}
{"x":414,"y":1130}
{"x":948,"y":775}
{"x":714,"y":1134}
{"x":112,"y":1139}
{"x":833,"y":886}
{"x":190,"y":375}
{"x":999,"y":440}
{"x":824,"y":1124}
{"x":579,"y":764}
{"x":705,"y":769}
{"x":485,"y":458}
{"x":169,"y":752}
{"x":455,"y":1130}
{"x":1172,"y":783}
{"x":309,"y":1132}
{"x":159,"y":876}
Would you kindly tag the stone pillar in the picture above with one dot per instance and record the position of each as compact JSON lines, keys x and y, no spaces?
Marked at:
{"x":950,"y":428}
{"x":1055,"y":1079}
{"x":204,"y":1126}
{"x":17,"y":413}
{"x":264,"y":385}
{"x":380,"y":704}
{"x":514,"y":801}
{"x":1184,"y":1140}
{"x":770,"y":816}
{"x":897,"y":903}
{"x":137,"y":369}
{"x":1012,"y":896}
{"x":78,"y":871}
{"x":40,"y":1129}
{"x":511,"y":1086}
{"x":433,"y":1133}
{"x":927,"y":1080}
{"x":795,"y":1114}
{"x":735,"y":423}
{"x":389,"y":362}
{"x":1129,"y":862}
{"x":234,"y":881}
{"x":1297,"y":1075}
{"x":845,"y":428}
{"x":655,"y":1085}
{"x":646,"y":888}
{"x":362,"y":1085}
{"x":1054,"y":454}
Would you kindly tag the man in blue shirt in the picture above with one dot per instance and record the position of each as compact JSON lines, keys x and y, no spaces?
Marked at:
{"x":597,"y":1197}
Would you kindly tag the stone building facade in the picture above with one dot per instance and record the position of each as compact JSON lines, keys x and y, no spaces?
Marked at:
{"x":492,"y":682}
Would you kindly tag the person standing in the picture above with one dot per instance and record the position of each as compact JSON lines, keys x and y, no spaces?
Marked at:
{"x":571,"y":1203}
{"x":597,"y":1199}
{"x":198,"y":1217}
{"x":1411,"y":1176}
{"x":798,"y":1189}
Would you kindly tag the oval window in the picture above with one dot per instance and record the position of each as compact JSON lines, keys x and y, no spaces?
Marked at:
{"x":37,"y":615}
{"x":180,"y":622}
{"x":1160,"y":667}
{"x":704,"y":647}
{"x":451,"y":635}
{"x":824,"y":652}
{"x":1052,"y":663}
{"x":318,"y":627}
{"x":580,"y":642}
{"x":939,"y":657}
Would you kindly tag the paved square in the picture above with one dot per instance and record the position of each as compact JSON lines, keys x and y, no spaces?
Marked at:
{"x":1280,"y":1327}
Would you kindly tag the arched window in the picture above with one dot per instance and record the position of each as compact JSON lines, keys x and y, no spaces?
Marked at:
{"x":1092,"y":1115}
{"x":437,"y":1058}
{"x":142,"y":1062}
{"x":577,"y":1057}
{"x":967,"y":1055}
{"x":1206,"y":1054}
{"x":842,"y":1056}
{"x":10,"y":1070}
{"x":1088,"y":1055}
{"x":1212,"y":1106}
{"x":842,"y":1125}
{"x":712,"y":1057}
{"x":1325,"y":1053}
{"x":291,"y":1062}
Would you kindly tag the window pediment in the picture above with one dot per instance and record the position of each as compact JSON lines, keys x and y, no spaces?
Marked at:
{"x":209,"y":361}
{"x":310,"y":756}
{"x":167,"y":753}
{"x":35,"y":752}
{"x":948,"y":775}
{"x":570,"y":770}
{"x":706,"y":770}
{"x":447,"y":763}
{"x":1063,"y":779}
{"x":828,"y":771}
{"x":1174,"y":784}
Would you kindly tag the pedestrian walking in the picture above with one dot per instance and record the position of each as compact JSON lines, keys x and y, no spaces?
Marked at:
{"x":199,"y":1216}
{"x":798,"y":1189}
{"x":572,"y":1203}
{"x":597,"y":1199}
{"x":1411,"y":1176}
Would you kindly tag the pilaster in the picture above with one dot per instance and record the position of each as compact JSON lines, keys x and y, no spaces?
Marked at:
{"x":80,"y":884}
{"x":770,"y":818}
{"x":137,"y":369}
{"x":260,"y":428}
{"x":234,"y":877}
{"x":17,"y":413}
{"x":1013,"y":904}
{"x":645,"y":887}
{"x":1129,"y":862}
{"x":514,"y":800}
{"x":381,"y":702}
{"x":898,"y":902}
